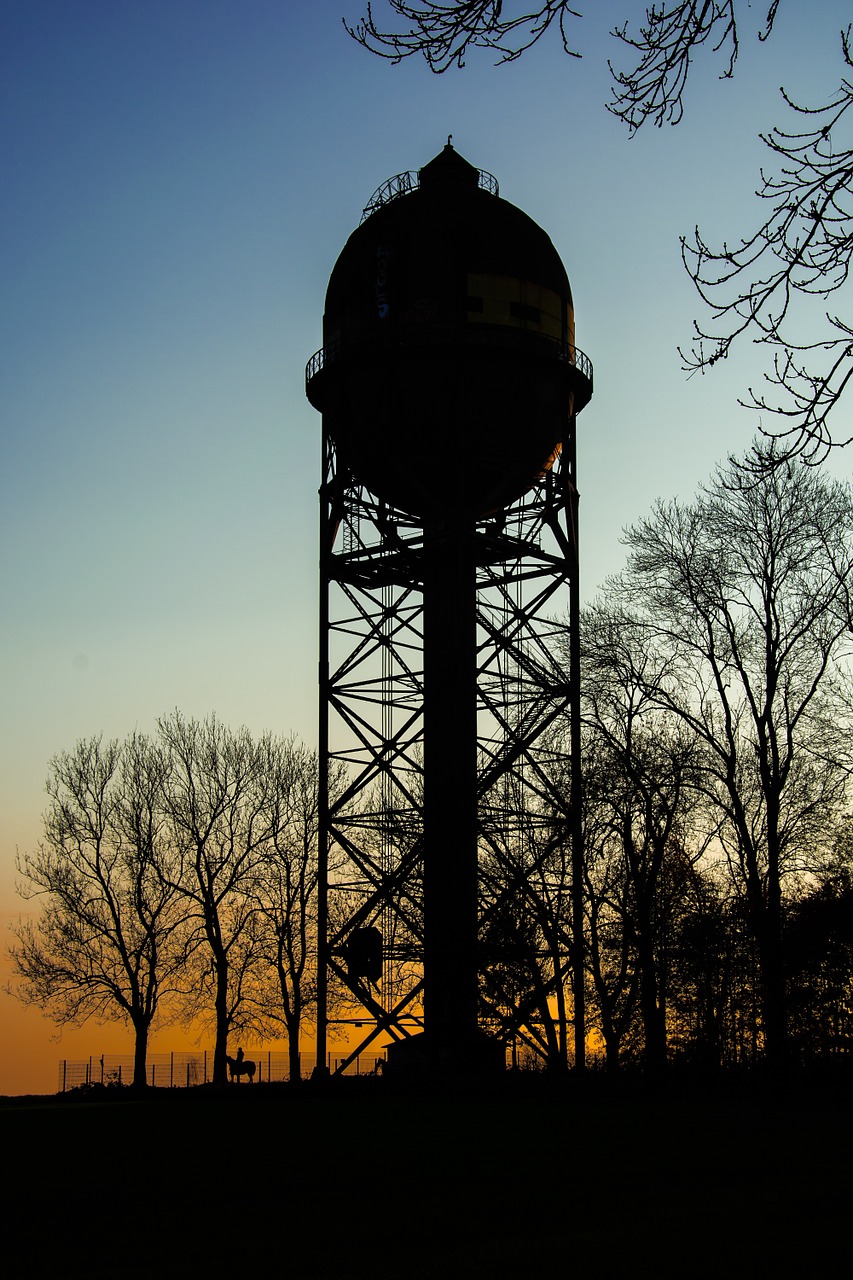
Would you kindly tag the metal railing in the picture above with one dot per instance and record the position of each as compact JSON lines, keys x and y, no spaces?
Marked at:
{"x":403,"y":184}
{"x":470,"y":335}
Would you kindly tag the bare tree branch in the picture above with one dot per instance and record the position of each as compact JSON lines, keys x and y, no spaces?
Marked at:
{"x":443,"y":33}
{"x":802,"y":248}
{"x":654,"y":89}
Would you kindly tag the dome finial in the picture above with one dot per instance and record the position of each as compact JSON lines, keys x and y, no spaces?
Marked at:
{"x":450,"y":139}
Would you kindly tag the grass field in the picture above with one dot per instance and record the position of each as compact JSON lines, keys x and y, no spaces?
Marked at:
{"x":358,"y":1179}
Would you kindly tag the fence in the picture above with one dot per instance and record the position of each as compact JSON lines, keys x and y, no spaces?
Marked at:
{"x":183,"y":1070}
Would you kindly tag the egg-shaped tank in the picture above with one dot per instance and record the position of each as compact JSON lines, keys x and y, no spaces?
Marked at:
{"x":449,"y":371}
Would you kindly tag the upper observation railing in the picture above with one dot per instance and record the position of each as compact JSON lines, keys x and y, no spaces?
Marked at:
{"x":403,"y":184}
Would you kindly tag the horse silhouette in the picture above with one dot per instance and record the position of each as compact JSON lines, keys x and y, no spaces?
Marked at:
{"x":241,"y":1067}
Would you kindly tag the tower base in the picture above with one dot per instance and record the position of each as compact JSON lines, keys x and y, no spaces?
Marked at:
{"x":423,"y":1057}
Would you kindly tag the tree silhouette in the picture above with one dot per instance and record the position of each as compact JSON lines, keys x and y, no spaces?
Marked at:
{"x":819,"y":957}
{"x":218,"y":802}
{"x":110,"y":939}
{"x":285,"y":893}
{"x":744,"y":595}
{"x":647,"y":762}
{"x":176,"y":872}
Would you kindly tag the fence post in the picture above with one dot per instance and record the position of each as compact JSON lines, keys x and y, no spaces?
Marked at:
{"x":119,"y":1072}
{"x":172,"y":1069}
{"x":64,"y":1072}
{"x":188,"y":1075}
{"x":269,"y":1067}
{"x":205,"y":1066}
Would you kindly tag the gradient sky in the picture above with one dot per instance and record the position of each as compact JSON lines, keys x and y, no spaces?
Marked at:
{"x":179,"y":177}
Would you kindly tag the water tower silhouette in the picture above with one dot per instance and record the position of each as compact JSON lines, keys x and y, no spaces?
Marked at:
{"x":448,"y":382}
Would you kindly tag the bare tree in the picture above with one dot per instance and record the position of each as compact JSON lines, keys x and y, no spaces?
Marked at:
{"x":819,"y":948}
{"x":714,"y":987}
{"x":109,"y":940}
{"x":218,"y":800}
{"x":286,"y":892}
{"x":649,"y":763}
{"x":744,"y":596}
{"x":608,"y":952}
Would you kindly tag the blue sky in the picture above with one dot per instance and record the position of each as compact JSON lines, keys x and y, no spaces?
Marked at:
{"x":179,"y":177}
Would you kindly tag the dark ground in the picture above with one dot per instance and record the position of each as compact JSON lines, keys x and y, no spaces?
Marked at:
{"x":355,"y":1179}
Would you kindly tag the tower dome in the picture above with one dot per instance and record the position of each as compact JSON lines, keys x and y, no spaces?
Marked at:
{"x":449,"y":369}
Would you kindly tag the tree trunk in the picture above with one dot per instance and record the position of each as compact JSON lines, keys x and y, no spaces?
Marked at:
{"x":562,"y":1015}
{"x":220,"y":1046}
{"x":293,"y":1023}
{"x":611,"y":1045}
{"x":140,"y":1053}
{"x":654,"y":1025}
{"x":773,"y":996}
{"x":765,"y":915}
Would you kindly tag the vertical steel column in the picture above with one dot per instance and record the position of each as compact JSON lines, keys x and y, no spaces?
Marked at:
{"x":576,"y":769}
{"x":450,"y":787}
{"x":326,"y":534}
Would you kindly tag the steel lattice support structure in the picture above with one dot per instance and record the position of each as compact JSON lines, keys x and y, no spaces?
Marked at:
{"x":518,"y":568}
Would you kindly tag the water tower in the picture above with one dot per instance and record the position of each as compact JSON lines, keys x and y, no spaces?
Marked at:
{"x":449,"y":382}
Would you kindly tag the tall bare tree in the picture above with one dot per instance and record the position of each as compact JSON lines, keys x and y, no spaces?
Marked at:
{"x":109,"y":941}
{"x":218,"y":799}
{"x":286,"y":892}
{"x":647,"y":762}
{"x":744,"y":595}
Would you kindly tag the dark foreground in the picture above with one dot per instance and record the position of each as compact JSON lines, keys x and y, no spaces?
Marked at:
{"x":531,"y":1178}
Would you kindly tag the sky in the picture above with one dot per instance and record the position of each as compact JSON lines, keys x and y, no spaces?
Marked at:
{"x":179,"y":178}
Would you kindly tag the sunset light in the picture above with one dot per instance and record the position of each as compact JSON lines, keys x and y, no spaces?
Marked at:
{"x":426,"y":784}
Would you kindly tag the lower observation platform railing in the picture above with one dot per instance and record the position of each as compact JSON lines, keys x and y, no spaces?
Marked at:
{"x":502,"y":336}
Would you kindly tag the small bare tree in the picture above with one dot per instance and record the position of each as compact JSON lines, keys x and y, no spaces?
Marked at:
{"x":110,"y":940}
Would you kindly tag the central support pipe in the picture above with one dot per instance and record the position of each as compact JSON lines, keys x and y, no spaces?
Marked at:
{"x":450,"y":788}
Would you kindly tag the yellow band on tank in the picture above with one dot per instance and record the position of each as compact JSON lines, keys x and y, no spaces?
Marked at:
{"x":508,"y":300}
